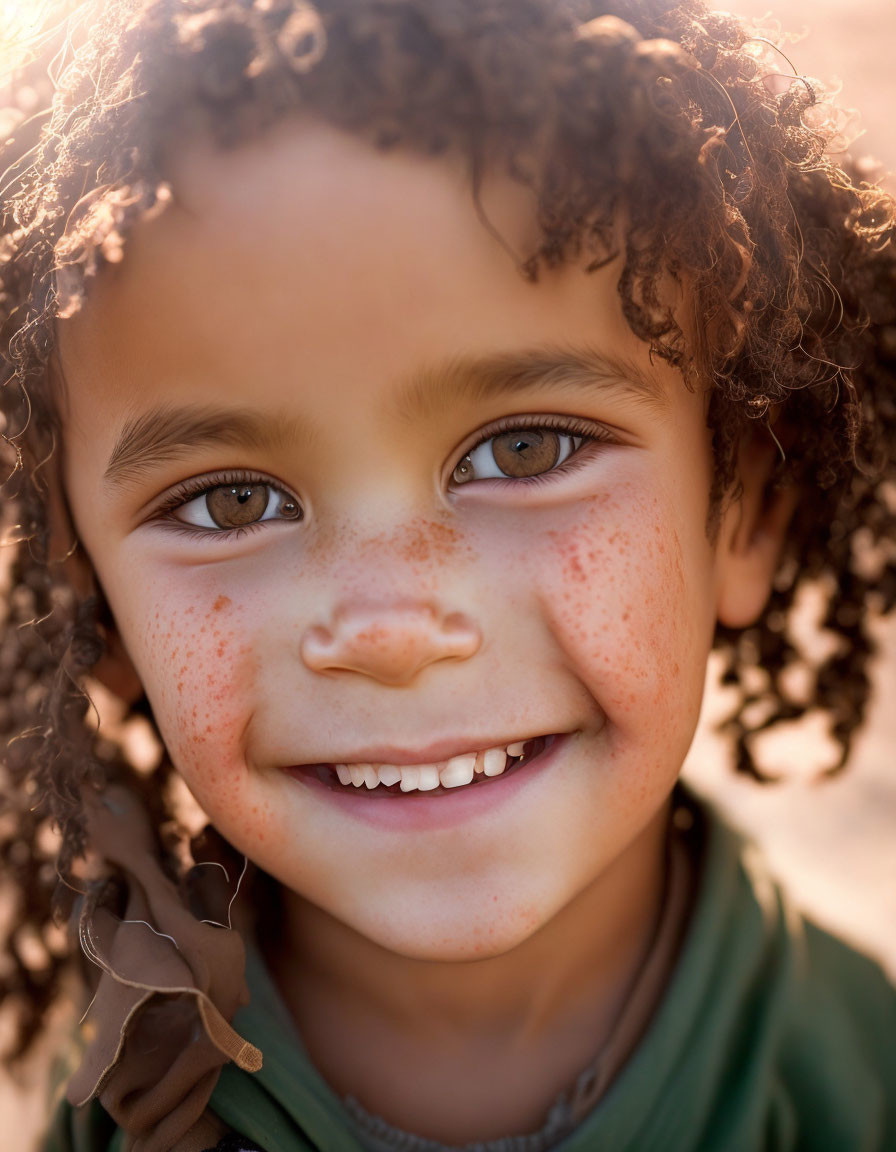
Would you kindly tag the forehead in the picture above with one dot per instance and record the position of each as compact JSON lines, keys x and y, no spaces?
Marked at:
{"x":308,"y":258}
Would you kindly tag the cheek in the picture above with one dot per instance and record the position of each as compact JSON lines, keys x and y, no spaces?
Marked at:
{"x":627,"y":606}
{"x":199,"y":670}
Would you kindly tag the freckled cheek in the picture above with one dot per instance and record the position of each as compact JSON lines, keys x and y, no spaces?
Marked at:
{"x":617,"y":600}
{"x":199,"y":671}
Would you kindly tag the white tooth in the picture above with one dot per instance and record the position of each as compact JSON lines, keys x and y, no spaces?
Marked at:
{"x":409,"y":777}
{"x":371,"y":777}
{"x":429,"y":778}
{"x":517,"y":748}
{"x":458,"y":770}
{"x":357,"y":774}
{"x":388,"y":774}
{"x":493,"y":761}
{"x":345,"y":777}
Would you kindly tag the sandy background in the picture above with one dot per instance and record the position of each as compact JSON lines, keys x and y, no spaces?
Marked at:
{"x":834,"y":843}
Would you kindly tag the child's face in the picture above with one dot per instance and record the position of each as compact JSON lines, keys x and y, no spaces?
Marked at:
{"x":339,"y":325}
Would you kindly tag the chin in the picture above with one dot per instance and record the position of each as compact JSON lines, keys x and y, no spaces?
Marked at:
{"x":479,"y":935}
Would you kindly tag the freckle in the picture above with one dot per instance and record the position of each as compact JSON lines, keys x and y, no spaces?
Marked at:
{"x":221,"y":603}
{"x":576,"y":569}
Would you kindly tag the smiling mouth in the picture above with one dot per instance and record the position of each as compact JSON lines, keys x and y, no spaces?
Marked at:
{"x":469,"y":770}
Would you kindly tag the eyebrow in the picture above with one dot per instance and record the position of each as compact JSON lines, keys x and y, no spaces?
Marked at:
{"x":553,"y":368}
{"x":168,"y":433}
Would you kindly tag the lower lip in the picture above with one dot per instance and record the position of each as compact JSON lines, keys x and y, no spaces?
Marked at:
{"x":420,"y":811}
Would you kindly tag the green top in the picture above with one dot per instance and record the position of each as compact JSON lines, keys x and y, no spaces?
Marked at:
{"x":771,"y":1036}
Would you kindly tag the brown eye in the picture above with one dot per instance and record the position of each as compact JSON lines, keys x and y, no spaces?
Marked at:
{"x":526,"y":453}
{"x":518,"y":453}
{"x":230,"y":506}
{"x":239,"y":505}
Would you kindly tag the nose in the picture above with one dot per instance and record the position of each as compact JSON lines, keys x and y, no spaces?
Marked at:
{"x":390,"y":642}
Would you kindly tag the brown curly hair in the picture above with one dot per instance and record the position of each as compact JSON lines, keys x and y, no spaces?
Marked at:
{"x":672,"y":112}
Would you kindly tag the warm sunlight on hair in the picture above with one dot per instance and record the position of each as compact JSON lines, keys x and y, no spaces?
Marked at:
{"x":20,"y":16}
{"x":21,"y":23}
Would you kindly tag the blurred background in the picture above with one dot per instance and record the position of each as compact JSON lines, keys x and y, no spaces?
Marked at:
{"x":832,"y":841}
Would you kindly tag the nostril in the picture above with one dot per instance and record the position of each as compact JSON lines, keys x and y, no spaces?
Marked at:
{"x":317,"y":644}
{"x":462,"y":632}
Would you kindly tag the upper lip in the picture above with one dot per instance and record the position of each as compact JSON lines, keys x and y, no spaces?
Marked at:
{"x":433,"y":753}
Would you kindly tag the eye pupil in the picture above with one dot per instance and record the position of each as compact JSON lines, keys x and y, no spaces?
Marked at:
{"x":244,"y":494}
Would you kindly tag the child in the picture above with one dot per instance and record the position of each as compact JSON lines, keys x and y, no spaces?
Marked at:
{"x":402,"y":400}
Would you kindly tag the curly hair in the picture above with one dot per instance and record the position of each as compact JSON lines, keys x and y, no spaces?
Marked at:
{"x":669,"y":113}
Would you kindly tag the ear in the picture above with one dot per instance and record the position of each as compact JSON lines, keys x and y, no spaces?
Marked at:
{"x":754,"y":526}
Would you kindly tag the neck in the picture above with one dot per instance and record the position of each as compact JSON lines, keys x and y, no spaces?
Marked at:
{"x":553,"y":999}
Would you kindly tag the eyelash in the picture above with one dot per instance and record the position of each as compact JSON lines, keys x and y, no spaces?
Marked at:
{"x":590,"y":433}
{"x":188,"y":490}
